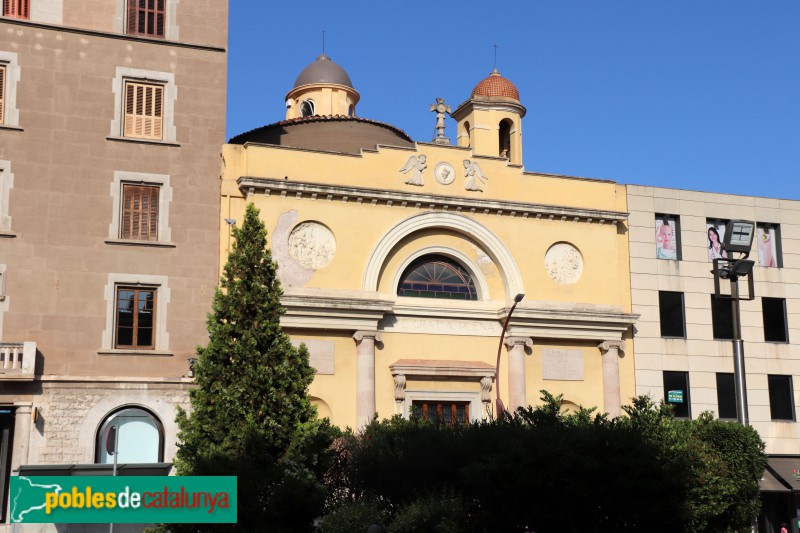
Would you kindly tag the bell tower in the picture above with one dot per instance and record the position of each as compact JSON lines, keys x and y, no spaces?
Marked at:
{"x":490,"y":122}
{"x":322,"y":88}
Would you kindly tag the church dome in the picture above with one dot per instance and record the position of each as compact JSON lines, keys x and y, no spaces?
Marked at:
{"x":323,"y":70}
{"x":496,"y":85}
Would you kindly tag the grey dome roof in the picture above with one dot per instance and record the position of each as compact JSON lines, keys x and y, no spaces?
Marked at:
{"x":323,"y":70}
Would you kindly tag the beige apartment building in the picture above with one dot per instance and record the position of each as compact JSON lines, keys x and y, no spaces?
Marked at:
{"x":684,"y":354}
{"x":112,"y":113}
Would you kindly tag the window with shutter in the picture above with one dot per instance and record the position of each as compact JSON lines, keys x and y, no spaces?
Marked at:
{"x":20,"y":9}
{"x":2,"y":94}
{"x":146,"y":17}
{"x":144,"y":110}
{"x":135,"y":318}
{"x":139,"y":212}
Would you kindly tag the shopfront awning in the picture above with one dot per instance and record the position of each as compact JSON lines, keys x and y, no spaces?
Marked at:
{"x":782,"y":474}
{"x":127,"y":469}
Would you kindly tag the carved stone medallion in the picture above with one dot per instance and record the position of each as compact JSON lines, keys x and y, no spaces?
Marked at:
{"x":312,"y":245}
{"x":444,"y":173}
{"x":564,"y":263}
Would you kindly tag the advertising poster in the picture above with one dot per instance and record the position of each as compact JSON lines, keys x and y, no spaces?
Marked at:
{"x":666,"y":241}
{"x":715,"y":235}
{"x":767,"y":246}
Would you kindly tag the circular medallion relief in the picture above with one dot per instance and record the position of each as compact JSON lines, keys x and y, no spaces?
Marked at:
{"x":564,"y":263}
{"x":444,"y":173}
{"x":312,"y":245}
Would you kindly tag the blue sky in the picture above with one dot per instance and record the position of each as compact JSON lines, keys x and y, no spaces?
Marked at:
{"x":700,"y":95}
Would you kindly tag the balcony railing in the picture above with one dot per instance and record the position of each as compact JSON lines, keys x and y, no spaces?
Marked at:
{"x":17,"y":360}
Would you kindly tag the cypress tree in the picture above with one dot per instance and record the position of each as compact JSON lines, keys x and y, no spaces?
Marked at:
{"x":250,"y":412}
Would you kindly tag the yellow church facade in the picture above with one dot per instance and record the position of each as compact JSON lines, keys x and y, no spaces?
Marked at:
{"x":400,"y":261}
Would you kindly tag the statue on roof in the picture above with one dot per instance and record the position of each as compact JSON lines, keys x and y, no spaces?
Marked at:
{"x":441,"y":108}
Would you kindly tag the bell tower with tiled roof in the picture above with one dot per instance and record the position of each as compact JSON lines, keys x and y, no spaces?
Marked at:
{"x":490,"y":122}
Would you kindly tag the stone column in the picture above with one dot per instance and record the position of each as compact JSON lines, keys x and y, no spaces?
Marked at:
{"x":612,"y":396}
{"x":22,"y":436}
{"x":517,"y":396}
{"x":365,"y":376}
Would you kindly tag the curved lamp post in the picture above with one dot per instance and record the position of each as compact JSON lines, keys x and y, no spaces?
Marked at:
{"x":501,"y":409}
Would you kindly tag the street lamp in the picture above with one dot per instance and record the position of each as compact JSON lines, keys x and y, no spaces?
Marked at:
{"x":500,"y":407}
{"x":738,"y":239}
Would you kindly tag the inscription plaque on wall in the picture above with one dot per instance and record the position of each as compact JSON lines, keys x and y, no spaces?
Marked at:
{"x":563,"y":365}
{"x":320,"y":354}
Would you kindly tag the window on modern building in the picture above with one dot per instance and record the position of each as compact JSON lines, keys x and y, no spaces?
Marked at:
{"x":135,"y":318}
{"x":781,"y":397}
{"x":437,"y":276}
{"x":307,"y":108}
{"x":722,"y":318}
{"x":726,"y":395}
{"x":668,"y":237}
{"x":676,"y":393}
{"x":139,"y":212}
{"x":768,"y":240}
{"x":20,"y":9}
{"x":137,"y":435}
{"x":144,"y":110}
{"x":670,"y":307}
{"x":775,"y":326}
{"x":448,"y":413}
{"x":146,"y":17}
{"x":715,"y":236}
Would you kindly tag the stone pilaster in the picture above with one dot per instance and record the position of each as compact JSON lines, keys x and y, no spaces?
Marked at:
{"x":517,"y":395}
{"x":365,"y":376}
{"x":22,"y":436}
{"x":611,"y":352}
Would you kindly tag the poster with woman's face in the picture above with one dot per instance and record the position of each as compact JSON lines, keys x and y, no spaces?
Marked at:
{"x":715,"y":234}
{"x":666,"y":242}
{"x":767,"y":246}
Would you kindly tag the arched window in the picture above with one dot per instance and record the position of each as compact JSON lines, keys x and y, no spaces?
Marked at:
{"x":139,"y":437}
{"x":505,"y":139}
{"x":467,"y":133}
{"x":351,"y":111}
{"x":437,"y":276}
{"x":307,"y":108}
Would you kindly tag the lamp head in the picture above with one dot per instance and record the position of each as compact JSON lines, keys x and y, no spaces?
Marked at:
{"x":739,"y":238}
{"x":518,"y":298}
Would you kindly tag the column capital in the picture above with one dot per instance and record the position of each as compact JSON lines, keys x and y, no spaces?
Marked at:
{"x":361,"y":335}
{"x":399,"y":387}
{"x":517,"y":341}
{"x":607,"y":346}
{"x":486,"y":389}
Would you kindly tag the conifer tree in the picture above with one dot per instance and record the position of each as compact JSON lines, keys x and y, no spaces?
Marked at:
{"x":250,"y":413}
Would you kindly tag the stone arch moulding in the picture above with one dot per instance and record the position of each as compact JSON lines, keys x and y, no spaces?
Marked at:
{"x":492,"y":245}
{"x":469,"y":264}
{"x":160,"y":408}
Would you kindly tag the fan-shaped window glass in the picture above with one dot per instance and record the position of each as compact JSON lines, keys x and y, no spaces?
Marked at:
{"x":436,"y":276}
{"x":307,"y":108}
{"x":139,"y":438}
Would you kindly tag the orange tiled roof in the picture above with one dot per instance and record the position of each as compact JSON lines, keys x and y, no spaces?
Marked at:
{"x":496,"y":85}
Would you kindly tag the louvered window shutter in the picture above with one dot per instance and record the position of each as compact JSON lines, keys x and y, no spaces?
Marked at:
{"x":144,"y":109}
{"x":20,"y":9}
{"x":146,"y":17}
{"x":139,"y":213}
{"x":2,"y":94}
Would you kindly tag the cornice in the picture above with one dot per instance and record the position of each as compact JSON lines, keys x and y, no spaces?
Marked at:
{"x":251,"y":186}
{"x":112,"y":35}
